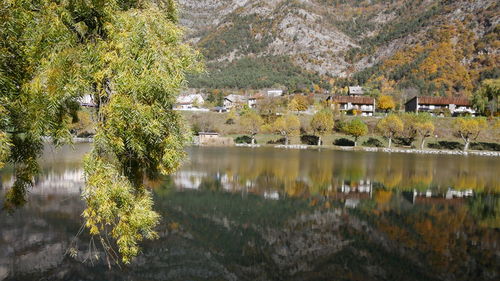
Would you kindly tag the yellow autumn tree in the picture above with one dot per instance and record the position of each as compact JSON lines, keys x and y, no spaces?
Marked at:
{"x":251,"y":122}
{"x":298,"y":103}
{"x":287,"y":126}
{"x":445,"y":70}
{"x":322,"y":123}
{"x":424,"y":127}
{"x":390,"y":127}
{"x":386,"y":103}
{"x":356,"y":128}
{"x":469,"y":128}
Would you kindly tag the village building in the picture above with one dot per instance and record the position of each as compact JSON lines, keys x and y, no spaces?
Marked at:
{"x":438,"y":105}
{"x":212,"y":139}
{"x":207,"y":137}
{"x":235,"y":101}
{"x":366,"y":105}
{"x":274,"y":93}
{"x":253,"y":100}
{"x":189,"y":102}
{"x":356,"y":91}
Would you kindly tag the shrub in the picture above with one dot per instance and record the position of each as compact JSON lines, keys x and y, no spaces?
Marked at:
{"x":403,"y":141}
{"x":441,"y":112}
{"x":309,"y":139}
{"x":85,"y":134}
{"x":278,"y":141}
{"x":243,"y":139}
{"x":485,"y":146}
{"x":196,"y":128}
{"x":339,"y":125}
{"x":373,"y":142}
{"x":451,"y":145}
{"x":354,"y":112}
{"x":343,"y":142}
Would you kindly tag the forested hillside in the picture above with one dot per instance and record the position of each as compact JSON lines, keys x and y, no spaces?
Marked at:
{"x":431,"y":46}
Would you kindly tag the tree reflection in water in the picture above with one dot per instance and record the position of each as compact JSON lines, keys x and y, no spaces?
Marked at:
{"x":268,"y":214}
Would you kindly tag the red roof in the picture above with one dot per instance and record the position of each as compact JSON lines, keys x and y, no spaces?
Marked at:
{"x":439,"y":200}
{"x":353,"y":100}
{"x":443,"y":101}
{"x":257,"y":96}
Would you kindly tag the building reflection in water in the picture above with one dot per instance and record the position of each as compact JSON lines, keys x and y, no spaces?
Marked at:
{"x":234,"y":213}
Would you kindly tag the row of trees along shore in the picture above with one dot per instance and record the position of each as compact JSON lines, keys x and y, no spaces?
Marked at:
{"x":406,"y":127}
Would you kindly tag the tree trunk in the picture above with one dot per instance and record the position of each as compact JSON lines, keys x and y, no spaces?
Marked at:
{"x":286,"y":140}
{"x":422,"y":143}
{"x":390,"y":142}
{"x":319,"y":141}
{"x":355,"y":142}
{"x":253,"y":139}
{"x":466,"y":146}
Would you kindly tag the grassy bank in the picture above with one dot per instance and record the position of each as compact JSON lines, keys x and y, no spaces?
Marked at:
{"x":228,"y":126}
{"x":221,"y":123}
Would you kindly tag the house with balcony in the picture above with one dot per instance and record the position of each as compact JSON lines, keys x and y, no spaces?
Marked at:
{"x":440,"y":105}
{"x":366,"y":105}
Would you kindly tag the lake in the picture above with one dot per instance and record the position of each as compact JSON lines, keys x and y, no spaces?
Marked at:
{"x":274,"y":214}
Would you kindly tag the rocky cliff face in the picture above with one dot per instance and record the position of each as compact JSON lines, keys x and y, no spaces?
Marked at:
{"x":263,"y":28}
{"x":332,"y":38}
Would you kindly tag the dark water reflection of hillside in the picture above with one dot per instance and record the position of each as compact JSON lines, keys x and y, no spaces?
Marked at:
{"x":266,"y":214}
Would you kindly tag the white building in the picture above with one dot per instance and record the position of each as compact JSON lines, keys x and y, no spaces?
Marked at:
{"x":189,"y":102}
{"x":356,"y":91}
{"x":347,"y":103}
{"x":274,"y":93}
{"x":235,"y":100}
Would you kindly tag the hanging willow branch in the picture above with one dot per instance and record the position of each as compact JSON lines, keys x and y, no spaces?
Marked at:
{"x":129,"y":56}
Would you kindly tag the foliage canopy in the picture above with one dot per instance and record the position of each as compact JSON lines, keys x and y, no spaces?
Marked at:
{"x":251,"y":122}
{"x":355,"y":128}
{"x":286,"y":125}
{"x":322,"y":123}
{"x":469,"y":128}
{"x":486,"y":98}
{"x":390,"y":127}
{"x":129,"y":57}
{"x":386,"y":103}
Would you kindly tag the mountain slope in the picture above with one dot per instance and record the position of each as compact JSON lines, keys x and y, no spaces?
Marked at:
{"x":336,"y":38}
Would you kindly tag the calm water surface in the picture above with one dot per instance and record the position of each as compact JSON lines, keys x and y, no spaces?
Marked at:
{"x":272,"y":214}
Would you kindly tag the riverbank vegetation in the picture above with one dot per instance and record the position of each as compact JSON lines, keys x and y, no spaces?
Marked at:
{"x":407,"y":130}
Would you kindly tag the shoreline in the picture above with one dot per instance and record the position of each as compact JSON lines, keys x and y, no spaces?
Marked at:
{"x":381,"y":149}
{"x":351,"y":148}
